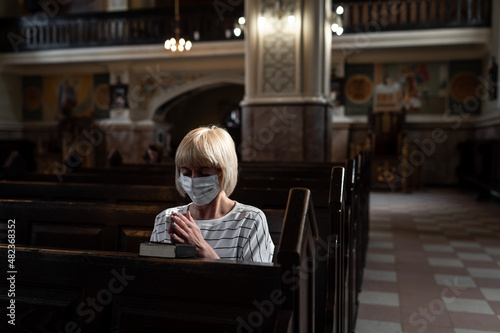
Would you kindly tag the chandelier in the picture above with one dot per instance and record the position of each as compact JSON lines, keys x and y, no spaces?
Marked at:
{"x":177,"y":44}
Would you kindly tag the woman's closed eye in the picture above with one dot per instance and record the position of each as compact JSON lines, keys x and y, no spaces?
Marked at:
{"x":198,"y":172}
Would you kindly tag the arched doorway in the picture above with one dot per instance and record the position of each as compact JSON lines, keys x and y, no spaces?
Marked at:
{"x":215,"y":104}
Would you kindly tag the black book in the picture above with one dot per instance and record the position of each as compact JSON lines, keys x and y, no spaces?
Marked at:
{"x":167,"y":250}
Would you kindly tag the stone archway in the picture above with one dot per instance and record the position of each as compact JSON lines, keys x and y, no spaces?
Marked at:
{"x":211,"y":104}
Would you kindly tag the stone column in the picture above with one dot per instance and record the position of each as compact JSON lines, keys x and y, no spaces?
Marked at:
{"x":285,"y":112}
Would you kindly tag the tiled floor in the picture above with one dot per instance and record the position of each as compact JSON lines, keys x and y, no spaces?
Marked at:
{"x":433,"y":264}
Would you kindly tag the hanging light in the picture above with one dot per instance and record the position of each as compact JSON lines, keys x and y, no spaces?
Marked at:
{"x":177,"y":44}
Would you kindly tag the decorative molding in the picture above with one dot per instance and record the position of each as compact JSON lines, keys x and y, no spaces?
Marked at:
{"x":6,"y":125}
{"x":120,"y":53}
{"x":183,"y":85}
{"x":412,"y":38}
{"x":420,"y":122}
{"x":341,"y":119}
{"x":488,"y":120}
{"x":283,"y":100}
{"x":278,"y":55}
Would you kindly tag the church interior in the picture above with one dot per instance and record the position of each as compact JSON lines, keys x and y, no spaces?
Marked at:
{"x":368,"y":133}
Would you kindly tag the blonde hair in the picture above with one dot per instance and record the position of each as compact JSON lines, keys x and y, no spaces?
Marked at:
{"x":210,"y":146}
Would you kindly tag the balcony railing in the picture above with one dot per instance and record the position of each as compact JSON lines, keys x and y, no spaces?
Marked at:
{"x":375,"y":16}
{"x":43,"y":31}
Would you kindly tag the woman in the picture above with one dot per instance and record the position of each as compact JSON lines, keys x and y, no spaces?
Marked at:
{"x":207,"y":171}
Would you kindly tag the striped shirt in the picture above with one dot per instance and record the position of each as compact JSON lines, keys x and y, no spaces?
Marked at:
{"x":241,"y":234}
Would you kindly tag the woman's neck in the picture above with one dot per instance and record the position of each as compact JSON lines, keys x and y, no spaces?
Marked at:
{"x":217,"y":208}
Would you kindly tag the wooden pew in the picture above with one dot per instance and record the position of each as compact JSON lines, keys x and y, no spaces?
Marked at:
{"x":91,"y":226}
{"x":79,"y":225}
{"x":349,"y":208}
{"x":165,"y":196}
{"x":274,"y":181}
{"x":480,"y":167}
{"x":108,"y":291}
{"x":354,"y":226}
{"x":303,"y":173}
{"x":334,"y":308}
{"x":268,"y":199}
{"x":247,"y":169}
{"x":92,"y":192}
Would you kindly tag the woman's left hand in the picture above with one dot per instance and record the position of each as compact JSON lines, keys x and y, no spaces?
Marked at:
{"x":186,"y":231}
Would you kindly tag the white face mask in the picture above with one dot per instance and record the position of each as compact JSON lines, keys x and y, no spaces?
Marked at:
{"x":201,"y":190}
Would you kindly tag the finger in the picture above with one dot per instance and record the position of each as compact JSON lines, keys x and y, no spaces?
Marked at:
{"x":188,"y":219}
{"x":176,"y":220}
{"x":179,"y":231}
{"x":173,"y":217}
{"x":183,"y":222}
{"x":176,"y":239}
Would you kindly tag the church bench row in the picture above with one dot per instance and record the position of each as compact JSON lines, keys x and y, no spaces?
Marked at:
{"x":349,"y":254}
{"x":247,"y":169}
{"x":153,"y":189}
{"x":479,"y":166}
{"x":349,"y":207}
{"x":90,"y":226}
{"x":120,"y":292}
{"x":129,"y":236}
{"x":97,"y":226}
{"x":164,"y":196}
{"x":316,"y":180}
{"x":310,"y":174}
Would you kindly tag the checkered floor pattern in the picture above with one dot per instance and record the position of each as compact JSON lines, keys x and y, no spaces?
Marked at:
{"x":433,"y":264}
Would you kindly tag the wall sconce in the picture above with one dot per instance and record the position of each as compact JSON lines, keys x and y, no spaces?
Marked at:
{"x":278,"y":11}
{"x":336,"y":21}
{"x":239,"y":27}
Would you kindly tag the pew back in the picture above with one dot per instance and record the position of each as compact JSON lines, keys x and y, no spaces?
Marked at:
{"x":99,"y":291}
{"x":91,"y":226}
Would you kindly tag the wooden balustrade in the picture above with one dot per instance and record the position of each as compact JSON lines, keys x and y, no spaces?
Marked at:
{"x":375,"y":16}
{"x":43,"y":31}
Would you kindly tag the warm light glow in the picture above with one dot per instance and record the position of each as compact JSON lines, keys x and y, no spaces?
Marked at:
{"x":183,"y":45}
{"x":261,"y":22}
{"x":241,"y":20}
{"x":291,"y":19}
{"x":337,"y":29}
{"x":340,"y":10}
{"x":178,"y":43}
{"x":237,"y":32}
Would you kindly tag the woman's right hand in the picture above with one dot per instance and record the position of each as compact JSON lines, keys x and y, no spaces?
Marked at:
{"x":184,"y":230}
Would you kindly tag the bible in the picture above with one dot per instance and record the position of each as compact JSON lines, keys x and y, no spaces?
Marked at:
{"x":167,"y":250}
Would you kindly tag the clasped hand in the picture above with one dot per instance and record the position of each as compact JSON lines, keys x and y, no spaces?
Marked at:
{"x":184,"y":230}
